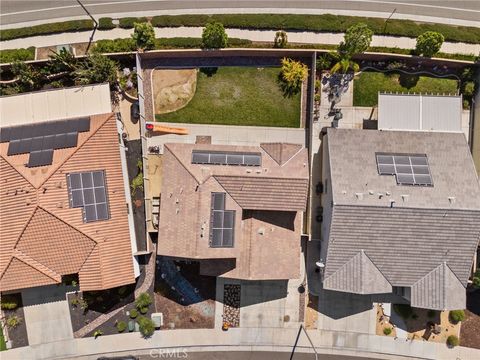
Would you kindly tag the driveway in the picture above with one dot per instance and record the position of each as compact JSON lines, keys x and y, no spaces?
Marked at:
{"x":47,"y":314}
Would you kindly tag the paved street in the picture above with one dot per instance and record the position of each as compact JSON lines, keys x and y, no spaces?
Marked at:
{"x":461,"y":11}
{"x":244,"y":355}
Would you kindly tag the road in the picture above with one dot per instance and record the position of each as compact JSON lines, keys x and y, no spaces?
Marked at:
{"x":465,"y":12}
{"x":244,"y":355}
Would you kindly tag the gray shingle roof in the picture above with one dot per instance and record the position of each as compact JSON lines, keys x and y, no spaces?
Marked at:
{"x":355,"y":178}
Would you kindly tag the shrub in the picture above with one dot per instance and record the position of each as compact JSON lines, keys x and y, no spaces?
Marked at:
{"x":114,"y":46}
{"x":9,"y":302}
{"x":137,"y":183}
{"x":97,"y":333}
{"x":144,"y":36}
{"x":143,"y":301}
{"x":429,"y":43}
{"x":292,"y":75}
{"x":44,"y":29}
{"x":280,"y":40}
{"x":214,"y":36}
{"x":143,"y":310}
{"x":387,"y":331}
{"x":74,"y":302}
{"x":13,"y":321}
{"x":133,"y":313}
{"x":129,"y":22}
{"x":476,"y":279}
{"x":11,"y":55}
{"x":122,"y":291}
{"x":147,"y":327}
{"x":452,"y":341}
{"x":468,"y":91}
{"x":457,"y":316}
{"x":97,"y":69}
{"x":357,"y":40}
{"x":121,"y":326}
{"x":404,"y":310}
{"x":105,"y":23}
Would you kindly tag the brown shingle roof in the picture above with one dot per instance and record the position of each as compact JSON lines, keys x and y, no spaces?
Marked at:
{"x":36,"y":221}
{"x":281,"y":152}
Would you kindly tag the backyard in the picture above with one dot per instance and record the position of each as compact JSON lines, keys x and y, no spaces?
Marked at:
{"x":234,"y":96}
{"x":367,"y":85}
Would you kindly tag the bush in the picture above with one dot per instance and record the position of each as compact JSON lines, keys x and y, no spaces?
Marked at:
{"x":214,"y":36}
{"x":321,"y":23}
{"x":121,"y":326}
{"x":387,"y":331}
{"x":9,"y":56}
{"x":13,"y":321}
{"x":45,"y":29}
{"x":404,"y":310}
{"x":9,"y":302}
{"x":357,"y":40}
{"x":280,"y":40}
{"x":129,"y":22}
{"x":133,"y":313}
{"x":468,"y":91}
{"x":429,"y":43}
{"x":114,"y":46}
{"x":147,"y":327}
{"x":143,"y":301}
{"x":292,"y":75}
{"x":476,"y":279}
{"x":143,"y":310}
{"x":453,"y":341}
{"x":456,"y":316}
{"x":144,"y":36}
{"x":105,"y":23}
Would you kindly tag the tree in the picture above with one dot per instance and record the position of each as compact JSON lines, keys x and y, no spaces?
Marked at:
{"x":62,"y":61}
{"x":429,"y":43}
{"x":214,"y":36}
{"x":144,"y":36}
{"x":96,"y":69}
{"x":29,"y":78}
{"x":343,"y":65}
{"x":280,"y":40}
{"x":356,"y":40}
{"x":146,"y":326}
{"x":143,"y":301}
{"x":292,"y":75}
{"x":456,"y":316}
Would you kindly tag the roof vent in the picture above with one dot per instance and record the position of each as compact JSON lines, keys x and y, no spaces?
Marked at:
{"x":451,"y":199}
{"x":388,"y":193}
{"x":380,"y":195}
{"x":249,"y":171}
{"x":28,"y":201}
{"x":176,"y":201}
{"x":59,"y":185}
{"x":359,"y":196}
{"x":258,"y":171}
{"x":392,"y":202}
{"x":370,"y":192}
{"x":261,"y":231}
{"x":177,"y":210}
{"x":60,"y":205}
{"x":405,"y":197}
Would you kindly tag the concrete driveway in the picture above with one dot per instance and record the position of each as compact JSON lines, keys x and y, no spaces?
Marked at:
{"x":47,"y":314}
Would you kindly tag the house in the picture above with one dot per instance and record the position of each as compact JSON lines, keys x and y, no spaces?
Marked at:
{"x":237,"y":210}
{"x":401,"y":214}
{"x":63,"y":195}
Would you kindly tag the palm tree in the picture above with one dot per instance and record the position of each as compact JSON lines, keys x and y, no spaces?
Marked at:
{"x":344,"y":64}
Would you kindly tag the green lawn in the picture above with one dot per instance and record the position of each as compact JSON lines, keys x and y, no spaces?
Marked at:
{"x":239,"y":96}
{"x":367,"y":85}
{"x":3,"y":346}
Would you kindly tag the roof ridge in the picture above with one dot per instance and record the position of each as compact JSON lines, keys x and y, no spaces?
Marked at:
{"x":408,"y":207}
{"x":381,"y":272}
{"x":262,"y":177}
{"x":45,"y":270}
{"x":16,"y":170}
{"x":92,"y":134}
{"x":26,"y":225}
{"x":181,"y":163}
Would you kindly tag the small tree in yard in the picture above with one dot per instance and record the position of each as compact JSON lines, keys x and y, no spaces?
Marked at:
{"x":457,"y":316}
{"x":356,"y":40}
{"x":452,"y":341}
{"x":144,"y":36}
{"x":29,"y":78}
{"x":429,"y":43}
{"x":214,"y":36}
{"x":292,"y":75}
{"x":97,"y":69}
{"x":280,"y":40}
{"x":143,"y":301}
{"x":146,"y":326}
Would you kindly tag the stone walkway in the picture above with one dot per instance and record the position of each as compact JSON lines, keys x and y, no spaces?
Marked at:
{"x":231,"y":305}
{"x":144,"y":286}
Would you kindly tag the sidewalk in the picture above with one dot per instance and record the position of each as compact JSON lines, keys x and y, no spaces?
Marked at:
{"x":254,"y":35}
{"x":249,"y":339}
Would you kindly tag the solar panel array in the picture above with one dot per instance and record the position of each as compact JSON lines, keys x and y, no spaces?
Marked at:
{"x":222,"y":222}
{"x":87,"y":190}
{"x":408,"y":169}
{"x":40,"y":139}
{"x":226,"y":158}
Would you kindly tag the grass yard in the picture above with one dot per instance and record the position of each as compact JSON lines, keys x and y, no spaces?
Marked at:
{"x":238,"y":96}
{"x":367,"y":85}
{"x":3,"y":346}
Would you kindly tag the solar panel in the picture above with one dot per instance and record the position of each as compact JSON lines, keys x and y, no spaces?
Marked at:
{"x":222,"y":222}
{"x":13,"y":147}
{"x":5,"y":134}
{"x":71,"y":140}
{"x":87,"y":190}
{"x":60,"y":141}
{"x":82,"y":124}
{"x":220,"y":159}
{"x":16,"y":133}
{"x":40,"y":158}
{"x":25,"y":146}
{"x":226,"y":158}
{"x":252,"y":160}
{"x":409,"y":169}
{"x":48,"y":142}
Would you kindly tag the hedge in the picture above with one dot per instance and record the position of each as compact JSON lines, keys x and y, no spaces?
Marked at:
{"x":128,"y":22}
{"x":106,"y":23}
{"x":8,"y":56}
{"x":45,"y":29}
{"x":321,"y":23}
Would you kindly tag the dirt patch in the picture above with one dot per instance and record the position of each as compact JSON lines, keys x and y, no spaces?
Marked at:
{"x":470,"y":331}
{"x":180,"y":315}
{"x":311,"y":316}
{"x":173,"y":89}
{"x":383,"y":322}
{"x":46,"y":52}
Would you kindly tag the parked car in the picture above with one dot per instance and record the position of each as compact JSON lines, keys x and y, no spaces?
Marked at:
{"x":135,"y":111}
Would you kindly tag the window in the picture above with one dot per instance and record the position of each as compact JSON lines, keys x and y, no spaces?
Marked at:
{"x":222,"y":222}
{"x":226,"y":158}
{"x":87,"y":190}
{"x":408,"y":169}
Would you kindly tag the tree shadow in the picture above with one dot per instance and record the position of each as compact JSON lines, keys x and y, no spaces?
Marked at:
{"x":408,"y":80}
{"x":287,"y":90}
{"x":209,"y":71}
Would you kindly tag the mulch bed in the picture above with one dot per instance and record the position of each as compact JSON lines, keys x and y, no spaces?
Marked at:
{"x":17,"y":335}
{"x":186,"y":316}
{"x":470,"y":329}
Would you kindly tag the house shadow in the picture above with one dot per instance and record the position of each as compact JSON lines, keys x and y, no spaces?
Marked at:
{"x":45,"y":294}
{"x":338,"y":305}
{"x":262,"y":291}
{"x":473,"y":301}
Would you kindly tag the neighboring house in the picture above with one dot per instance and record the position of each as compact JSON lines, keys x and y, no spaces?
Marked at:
{"x":63,"y":201}
{"x":238,"y":210}
{"x":401,"y":214}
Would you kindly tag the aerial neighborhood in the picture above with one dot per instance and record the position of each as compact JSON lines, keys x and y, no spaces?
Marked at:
{"x":239,"y":183}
